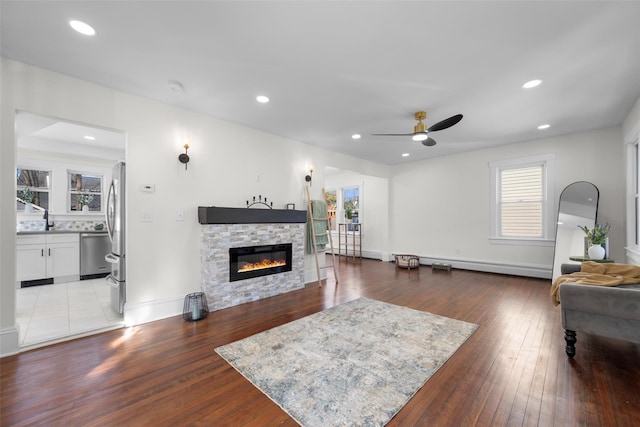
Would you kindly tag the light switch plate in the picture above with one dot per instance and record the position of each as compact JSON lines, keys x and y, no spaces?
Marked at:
{"x":180,"y":215}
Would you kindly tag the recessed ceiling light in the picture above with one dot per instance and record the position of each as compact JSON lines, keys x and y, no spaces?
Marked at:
{"x":82,"y":28}
{"x":356,"y":136}
{"x":531,"y":84}
{"x":544,"y":126}
{"x":262,"y":99}
{"x":90,"y":138}
{"x":405,"y":154}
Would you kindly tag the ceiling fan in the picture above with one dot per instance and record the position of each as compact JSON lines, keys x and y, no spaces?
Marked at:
{"x":420,"y":131}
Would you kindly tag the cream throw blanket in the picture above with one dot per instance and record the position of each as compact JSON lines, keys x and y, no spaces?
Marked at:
{"x":598,"y":274}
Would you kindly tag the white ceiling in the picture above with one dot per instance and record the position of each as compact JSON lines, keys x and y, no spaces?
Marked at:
{"x":334,"y":68}
{"x":50,"y":135}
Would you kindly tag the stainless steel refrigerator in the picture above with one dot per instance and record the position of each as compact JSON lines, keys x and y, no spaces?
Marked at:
{"x":115,"y":219}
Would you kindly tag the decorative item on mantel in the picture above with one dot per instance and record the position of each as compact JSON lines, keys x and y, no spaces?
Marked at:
{"x":195,"y":307}
{"x":598,"y":240}
{"x":260,"y":202}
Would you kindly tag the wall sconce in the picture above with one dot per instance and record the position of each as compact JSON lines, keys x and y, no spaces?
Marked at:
{"x":310,"y":176}
{"x":184,"y":157}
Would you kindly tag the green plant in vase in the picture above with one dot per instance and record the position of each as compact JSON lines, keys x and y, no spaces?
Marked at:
{"x":84,"y":200}
{"x":597,"y":236}
{"x":27,"y":196}
{"x":348,"y":213}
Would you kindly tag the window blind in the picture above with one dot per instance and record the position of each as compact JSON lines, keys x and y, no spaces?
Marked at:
{"x":521,"y":202}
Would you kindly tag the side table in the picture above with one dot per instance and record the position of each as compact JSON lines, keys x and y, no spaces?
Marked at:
{"x":352,"y":239}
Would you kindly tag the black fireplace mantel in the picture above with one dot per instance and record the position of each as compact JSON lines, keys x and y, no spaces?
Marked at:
{"x":216,"y":215}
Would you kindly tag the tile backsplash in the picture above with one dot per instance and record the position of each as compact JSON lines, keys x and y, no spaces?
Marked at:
{"x":38,"y":225}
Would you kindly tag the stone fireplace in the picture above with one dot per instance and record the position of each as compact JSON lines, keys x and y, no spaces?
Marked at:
{"x":247,"y":235}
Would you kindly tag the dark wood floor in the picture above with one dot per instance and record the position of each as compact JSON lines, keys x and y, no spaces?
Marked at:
{"x":511,"y":372}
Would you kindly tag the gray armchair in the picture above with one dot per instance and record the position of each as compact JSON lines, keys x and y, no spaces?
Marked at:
{"x":612,"y":312}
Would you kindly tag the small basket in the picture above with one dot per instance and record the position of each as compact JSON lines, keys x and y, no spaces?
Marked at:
{"x":407,"y":261}
{"x":195,"y":307}
{"x":441,"y":266}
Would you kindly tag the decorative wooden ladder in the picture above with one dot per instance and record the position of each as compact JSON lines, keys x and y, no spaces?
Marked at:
{"x":314,"y":235}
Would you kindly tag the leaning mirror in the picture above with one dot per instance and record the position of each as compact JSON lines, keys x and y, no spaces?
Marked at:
{"x":578,"y":207}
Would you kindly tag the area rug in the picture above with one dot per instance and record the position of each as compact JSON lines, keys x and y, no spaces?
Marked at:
{"x":356,"y":364}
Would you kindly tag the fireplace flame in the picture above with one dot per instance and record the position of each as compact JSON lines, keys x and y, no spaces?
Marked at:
{"x":265,"y":263}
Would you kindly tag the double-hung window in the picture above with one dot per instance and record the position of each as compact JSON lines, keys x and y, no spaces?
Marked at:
{"x":32,"y":187}
{"x":633,"y":201}
{"x":344,"y":205}
{"x":85,"y":189}
{"x":522,"y":200}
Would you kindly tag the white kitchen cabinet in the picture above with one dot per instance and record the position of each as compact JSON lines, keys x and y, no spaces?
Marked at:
{"x":43,"y":256}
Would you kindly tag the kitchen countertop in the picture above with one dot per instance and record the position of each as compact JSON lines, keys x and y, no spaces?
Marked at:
{"x":31,"y":232}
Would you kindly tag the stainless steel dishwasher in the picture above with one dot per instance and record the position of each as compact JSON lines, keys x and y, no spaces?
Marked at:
{"x":93,"y":248}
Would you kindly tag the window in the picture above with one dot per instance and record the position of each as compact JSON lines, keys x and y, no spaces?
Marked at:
{"x":632,"y":213}
{"x":32,"y":187}
{"x":351,"y":204}
{"x":636,"y":193}
{"x":85,"y":189}
{"x":522,"y":200}
{"x":344,"y":205}
{"x":332,"y":200}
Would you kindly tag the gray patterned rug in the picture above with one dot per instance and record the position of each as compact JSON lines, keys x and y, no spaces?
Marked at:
{"x":356,"y":364}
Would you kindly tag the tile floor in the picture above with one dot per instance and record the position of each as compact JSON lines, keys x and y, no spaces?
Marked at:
{"x":53,"y":313}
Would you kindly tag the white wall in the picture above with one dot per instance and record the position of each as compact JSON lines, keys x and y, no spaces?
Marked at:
{"x":375,"y":207}
{"x":163,"y":256}
{"x":440,"y":208}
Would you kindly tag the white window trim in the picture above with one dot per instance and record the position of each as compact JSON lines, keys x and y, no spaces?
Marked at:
{"x":633,"y":189}
{"x":47,"y":189}
{"x":69,"y":192}
{"x":548,"y":219}
{"x":340,"y":202}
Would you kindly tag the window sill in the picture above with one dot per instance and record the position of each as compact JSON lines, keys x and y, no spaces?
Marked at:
{"x":633,"y":255}
{"x":521,"y":241}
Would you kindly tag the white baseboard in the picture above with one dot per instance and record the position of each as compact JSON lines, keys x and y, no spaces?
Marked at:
{"x":527,"y":270}
{"x":149,"y":311}
{"x":9,"y":341}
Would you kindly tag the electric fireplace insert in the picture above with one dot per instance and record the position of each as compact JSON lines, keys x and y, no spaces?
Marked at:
{"x":256,"y":261}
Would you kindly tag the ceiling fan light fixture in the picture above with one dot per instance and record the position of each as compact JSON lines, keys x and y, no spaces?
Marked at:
{"x":420,"y":136}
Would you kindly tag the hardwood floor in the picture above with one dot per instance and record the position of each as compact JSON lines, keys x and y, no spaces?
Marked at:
{"x":511,"y":372}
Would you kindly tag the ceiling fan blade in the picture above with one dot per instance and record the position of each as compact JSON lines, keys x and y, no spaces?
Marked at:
{"x":446,"y":123}
{"x":429,"y":142}
{"x":391,"y":134}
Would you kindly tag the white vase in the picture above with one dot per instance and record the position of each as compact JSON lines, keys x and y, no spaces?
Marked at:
{"x":28,"y":208}
{"x":85,"y":208}
{"x":596,"y":252}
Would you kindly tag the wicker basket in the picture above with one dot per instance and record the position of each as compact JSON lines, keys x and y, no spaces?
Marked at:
{"x":407,"y":261}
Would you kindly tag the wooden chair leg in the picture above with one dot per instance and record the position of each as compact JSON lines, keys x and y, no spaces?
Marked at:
{"x":570,"y":338}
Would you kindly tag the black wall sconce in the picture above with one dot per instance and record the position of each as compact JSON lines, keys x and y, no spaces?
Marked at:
{"x":184,"y":157}
{"x":310,"y":176}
